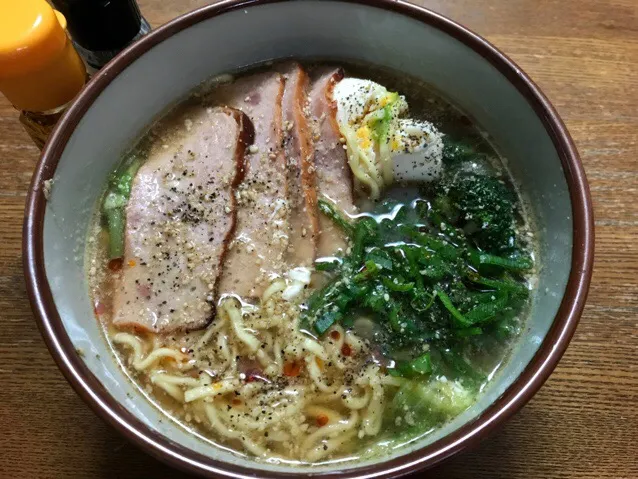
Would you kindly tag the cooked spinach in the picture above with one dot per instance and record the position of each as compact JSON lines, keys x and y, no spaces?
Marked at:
{"x":424,"y":280}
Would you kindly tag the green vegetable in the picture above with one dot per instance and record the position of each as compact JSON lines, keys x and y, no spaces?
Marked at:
{"x":397,"y":285}
{"x":115,"y":201}
{"x":115,"y":224}
{"x":381,"y":126}
{"x":327,"y":265}
{"x":486,"y":206}
{"x":430,"y":404}
{"x":460,"y":320}
{"x":419,"y":366}
{"x":400,"y":261}
{"x":369,"y":270}
{"x":473,"y":331}
{"x":381,"y":258}
{"x":484,"y":312}
{"x":328,"y":209}
{"x":326,"y":320}
{"x":365,"y":232}
{"x":504,"y":284}
{"x":512,"y":263}
{"x":451,"y":364}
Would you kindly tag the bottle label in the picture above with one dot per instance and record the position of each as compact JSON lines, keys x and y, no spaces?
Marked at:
{"x":97,"y":59}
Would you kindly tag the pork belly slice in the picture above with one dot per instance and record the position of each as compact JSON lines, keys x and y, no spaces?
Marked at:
{"x":179,"y":220}
{"x":299,"y":155}
{"x":332,"y":172}
{"x":257,"y":253}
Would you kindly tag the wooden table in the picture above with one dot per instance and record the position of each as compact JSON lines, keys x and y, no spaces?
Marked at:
{"x":582,"y":424}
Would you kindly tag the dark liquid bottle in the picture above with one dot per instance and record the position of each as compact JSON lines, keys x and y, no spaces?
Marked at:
{"x":102,"y":28}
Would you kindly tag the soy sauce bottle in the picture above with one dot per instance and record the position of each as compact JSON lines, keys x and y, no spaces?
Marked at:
{"x":102,"y":28}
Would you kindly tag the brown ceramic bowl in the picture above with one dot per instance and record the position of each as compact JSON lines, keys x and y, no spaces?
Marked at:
{"x":137,"y":86}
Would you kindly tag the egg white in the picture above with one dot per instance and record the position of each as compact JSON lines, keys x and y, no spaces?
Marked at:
{"x":410,"y":150}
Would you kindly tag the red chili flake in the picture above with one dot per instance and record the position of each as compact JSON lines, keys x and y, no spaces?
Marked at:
{"x":322,"y":420}
{"x":99,"y":308}
{"x":346,"y":350}
{"x":335,"y":335}
{"x":251,"y":377}
{"x":116,"y":264}
{"x":292,"y":369}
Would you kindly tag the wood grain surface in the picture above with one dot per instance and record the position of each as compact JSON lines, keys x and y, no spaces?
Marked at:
{"x":584,"y":421}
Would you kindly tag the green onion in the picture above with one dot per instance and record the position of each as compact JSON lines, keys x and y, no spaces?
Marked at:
{"x":484,"y":312}
{"x":326,"y":320}
{"x":327,"y":265}
{"x":115,"y":203}
{"x":395,"y":271}
{"x":369,"y":270}
{"x":397,"y":286}
{"x":473,"y":331}
{"x":365,"y":231}
{"x":447,"y":251}
{"x":461,"y":321}
{"x":381,"y":126}
{"x":419,"y":366}
{"x":381,"y":258}
{"x":410,"y":255}
{"x":393,"y":317}
{"x":328,"y":209}
{"x":513,"y":264}
{"x":499,"y":284}
{"x":422,"y":301}
{"x":115,"y":226}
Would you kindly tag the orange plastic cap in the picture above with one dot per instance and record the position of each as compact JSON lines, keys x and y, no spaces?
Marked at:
{"x":30,"y":35}
{"x":39,"y":68}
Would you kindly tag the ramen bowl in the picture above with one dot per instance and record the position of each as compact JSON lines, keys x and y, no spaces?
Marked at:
{"x":126,"y":96}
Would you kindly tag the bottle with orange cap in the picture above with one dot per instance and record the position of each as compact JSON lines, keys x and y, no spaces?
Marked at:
{"x":40,"y":70}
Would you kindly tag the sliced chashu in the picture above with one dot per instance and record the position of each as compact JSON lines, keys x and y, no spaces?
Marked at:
{"x":257,"y":252}
{"x":332,"y":172}
{"x":299,"y":155}
{"x":179,"y":219}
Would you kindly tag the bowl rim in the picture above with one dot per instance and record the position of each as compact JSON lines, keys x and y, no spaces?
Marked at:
{"x":469,"y":435}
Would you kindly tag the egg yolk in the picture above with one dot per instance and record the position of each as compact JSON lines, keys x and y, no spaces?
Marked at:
{"x":385,"y":100}
{"x":364,"y":137}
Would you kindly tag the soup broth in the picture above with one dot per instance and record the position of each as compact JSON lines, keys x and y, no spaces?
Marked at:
{"x":325,"y":303}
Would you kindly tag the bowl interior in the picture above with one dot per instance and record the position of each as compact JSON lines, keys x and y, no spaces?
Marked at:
{"x":249,"y":35}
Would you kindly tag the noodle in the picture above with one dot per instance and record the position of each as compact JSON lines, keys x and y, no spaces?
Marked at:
{"x":331,"y":430}
{"x":172,"y":379}
{"x":234,"y":314}
{"x":362,"y":167}
{"x":309,"y":418}
{"x":371,"y":424}
{"x":216,"y":389}
{"x":353,"y":402}
{"x":154,"y":356}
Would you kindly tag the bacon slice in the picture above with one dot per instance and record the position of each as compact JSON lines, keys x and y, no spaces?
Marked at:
{"x":299,"y":154}
{"x":333,"y":175}
{"x":257,"y":253}
{"x":179,"y":219}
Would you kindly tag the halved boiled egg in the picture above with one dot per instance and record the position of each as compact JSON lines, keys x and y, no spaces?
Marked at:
{"x":383,"y":145}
